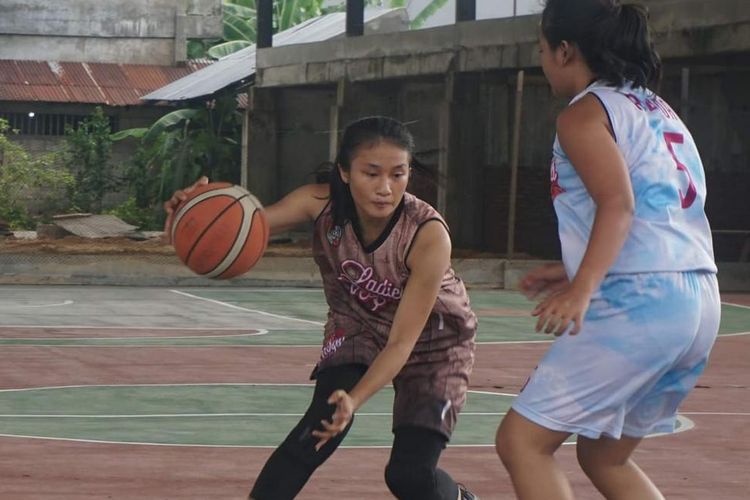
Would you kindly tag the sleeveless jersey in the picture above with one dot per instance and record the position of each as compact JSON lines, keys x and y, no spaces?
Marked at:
{"x":363,"y":287}
{"x":669,"y":231}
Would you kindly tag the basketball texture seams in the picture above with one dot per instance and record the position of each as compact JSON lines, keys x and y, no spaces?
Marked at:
{"x":220,"y":231}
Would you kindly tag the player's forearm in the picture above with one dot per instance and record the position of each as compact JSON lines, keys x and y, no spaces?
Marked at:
{"x":610,"y":230}
{"x":383,"y":369}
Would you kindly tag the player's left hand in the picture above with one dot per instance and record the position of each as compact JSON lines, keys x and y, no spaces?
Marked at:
{"x":340,"y":419}
{"x":559,"y":311}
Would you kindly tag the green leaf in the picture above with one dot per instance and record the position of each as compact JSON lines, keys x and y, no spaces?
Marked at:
{"x":168,"y":121}
{"x":137,"y":133}
{"x":239,"y":11}
{"x":236,"y":28}
{"x":226,"y":48}
{"x":250,"y":4}
{"x":426,"y":13}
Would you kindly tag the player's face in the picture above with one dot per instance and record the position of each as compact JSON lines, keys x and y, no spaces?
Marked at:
{"x":377,"y":179}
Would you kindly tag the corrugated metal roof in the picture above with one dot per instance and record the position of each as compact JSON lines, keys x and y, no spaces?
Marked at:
{"x":110,"y":84}
{"x":239,"y":66}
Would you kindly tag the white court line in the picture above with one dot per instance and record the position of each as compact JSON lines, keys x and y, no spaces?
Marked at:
{"x":498,"y":342}
{"x":271,"y":290}
{"x":65,"y":303}
{"x":258,"y":332}
{"x":90,"y":327}
{"x":191,"y":415}
{"x":687,"y":424}
{"x":263,"y":384}
{"x":264,"y":313}
{"x":259,"y":447}
{"x":733,"y":334}
{"x":145,"y":346}
{"x":717,"y":413}
{"x":736,"y":305}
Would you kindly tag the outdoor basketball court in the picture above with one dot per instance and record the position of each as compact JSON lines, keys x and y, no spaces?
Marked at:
{"x":121,"y":392}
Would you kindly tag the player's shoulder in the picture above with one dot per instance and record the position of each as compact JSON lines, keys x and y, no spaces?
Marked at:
{"x":588,"y":109}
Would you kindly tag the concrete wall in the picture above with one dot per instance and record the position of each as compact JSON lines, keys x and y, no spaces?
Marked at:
{"x":481,"y":132}
{"x":480,"y":146}
{"x":122,"y":151}
{"x":136,"y":31}
{"x":126,"y":116}
{"x":455,"y":86}
{"x":682,"y":28}
{"x":164,"y":270}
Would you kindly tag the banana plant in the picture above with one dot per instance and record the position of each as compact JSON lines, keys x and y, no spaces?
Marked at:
{"x":184,"y":144}
{"x":240,"y":21}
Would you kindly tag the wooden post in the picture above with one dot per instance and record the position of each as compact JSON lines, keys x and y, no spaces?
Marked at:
{"x":334,"y":121}
{"x":515,"y":152}
{"x":444,"y":144}
{"x":685,"y":95}
{"x":244,"y":164}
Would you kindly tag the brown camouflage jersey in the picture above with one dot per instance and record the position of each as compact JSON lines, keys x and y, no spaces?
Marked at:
{"x":363,"y":287}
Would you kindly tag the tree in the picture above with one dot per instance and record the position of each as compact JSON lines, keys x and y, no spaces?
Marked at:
{"x":427,"y":11}
{"x":240,"y":21}
{"x":181,"y":146}
{"x":87,"y":153}
{"x":30,"y":187}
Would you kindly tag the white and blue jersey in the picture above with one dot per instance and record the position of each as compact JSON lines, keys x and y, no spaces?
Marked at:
{"x":650,"y":326}
{"x":669,"y":231}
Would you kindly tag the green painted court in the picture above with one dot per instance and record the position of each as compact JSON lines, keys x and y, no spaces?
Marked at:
{"x":221,"y":414}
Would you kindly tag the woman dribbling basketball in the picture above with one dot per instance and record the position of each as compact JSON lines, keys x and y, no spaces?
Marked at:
{"x":397,"y":312}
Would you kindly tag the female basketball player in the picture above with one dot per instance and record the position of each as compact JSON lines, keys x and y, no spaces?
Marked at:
{"x":637,"y":294}
{"x":396,"y":313}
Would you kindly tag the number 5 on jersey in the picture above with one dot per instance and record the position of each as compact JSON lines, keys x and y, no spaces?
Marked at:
{"x":689,"y":197}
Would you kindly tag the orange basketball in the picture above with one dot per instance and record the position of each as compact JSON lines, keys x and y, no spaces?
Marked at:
{"x":220,"y":231}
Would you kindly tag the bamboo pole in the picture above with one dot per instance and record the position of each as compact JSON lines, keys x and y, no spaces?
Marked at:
{"x":515,"y":155}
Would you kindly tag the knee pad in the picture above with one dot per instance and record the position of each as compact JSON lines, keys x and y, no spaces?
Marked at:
{"x":409,"y":480}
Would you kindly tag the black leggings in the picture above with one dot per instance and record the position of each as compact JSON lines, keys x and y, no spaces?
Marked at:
{"x":411,"y":473}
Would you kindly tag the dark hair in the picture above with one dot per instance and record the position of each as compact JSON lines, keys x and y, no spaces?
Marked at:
{"x":367,"y":132}
{"x":613,"y":38}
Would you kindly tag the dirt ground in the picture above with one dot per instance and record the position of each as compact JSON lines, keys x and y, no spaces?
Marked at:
{"x":75,"y":245}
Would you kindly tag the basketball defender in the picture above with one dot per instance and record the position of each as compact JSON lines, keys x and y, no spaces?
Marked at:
{"x":635,"y":304}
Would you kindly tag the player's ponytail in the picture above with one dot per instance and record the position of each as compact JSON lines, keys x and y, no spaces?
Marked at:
{"x":613,"y":38}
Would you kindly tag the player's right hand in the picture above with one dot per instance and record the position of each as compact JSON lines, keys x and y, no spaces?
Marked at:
{"x":171,"y":205}
{"x":544,"y":280}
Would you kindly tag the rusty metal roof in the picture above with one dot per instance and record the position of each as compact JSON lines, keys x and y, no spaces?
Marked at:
{"x":91,"y":83}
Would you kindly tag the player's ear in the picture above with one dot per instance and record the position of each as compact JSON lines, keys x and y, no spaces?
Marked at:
{"x":343,"y":173}
{"x":565,"y":52}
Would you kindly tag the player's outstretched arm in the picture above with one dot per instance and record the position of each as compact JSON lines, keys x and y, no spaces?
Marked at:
{"x":302,"y":205}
